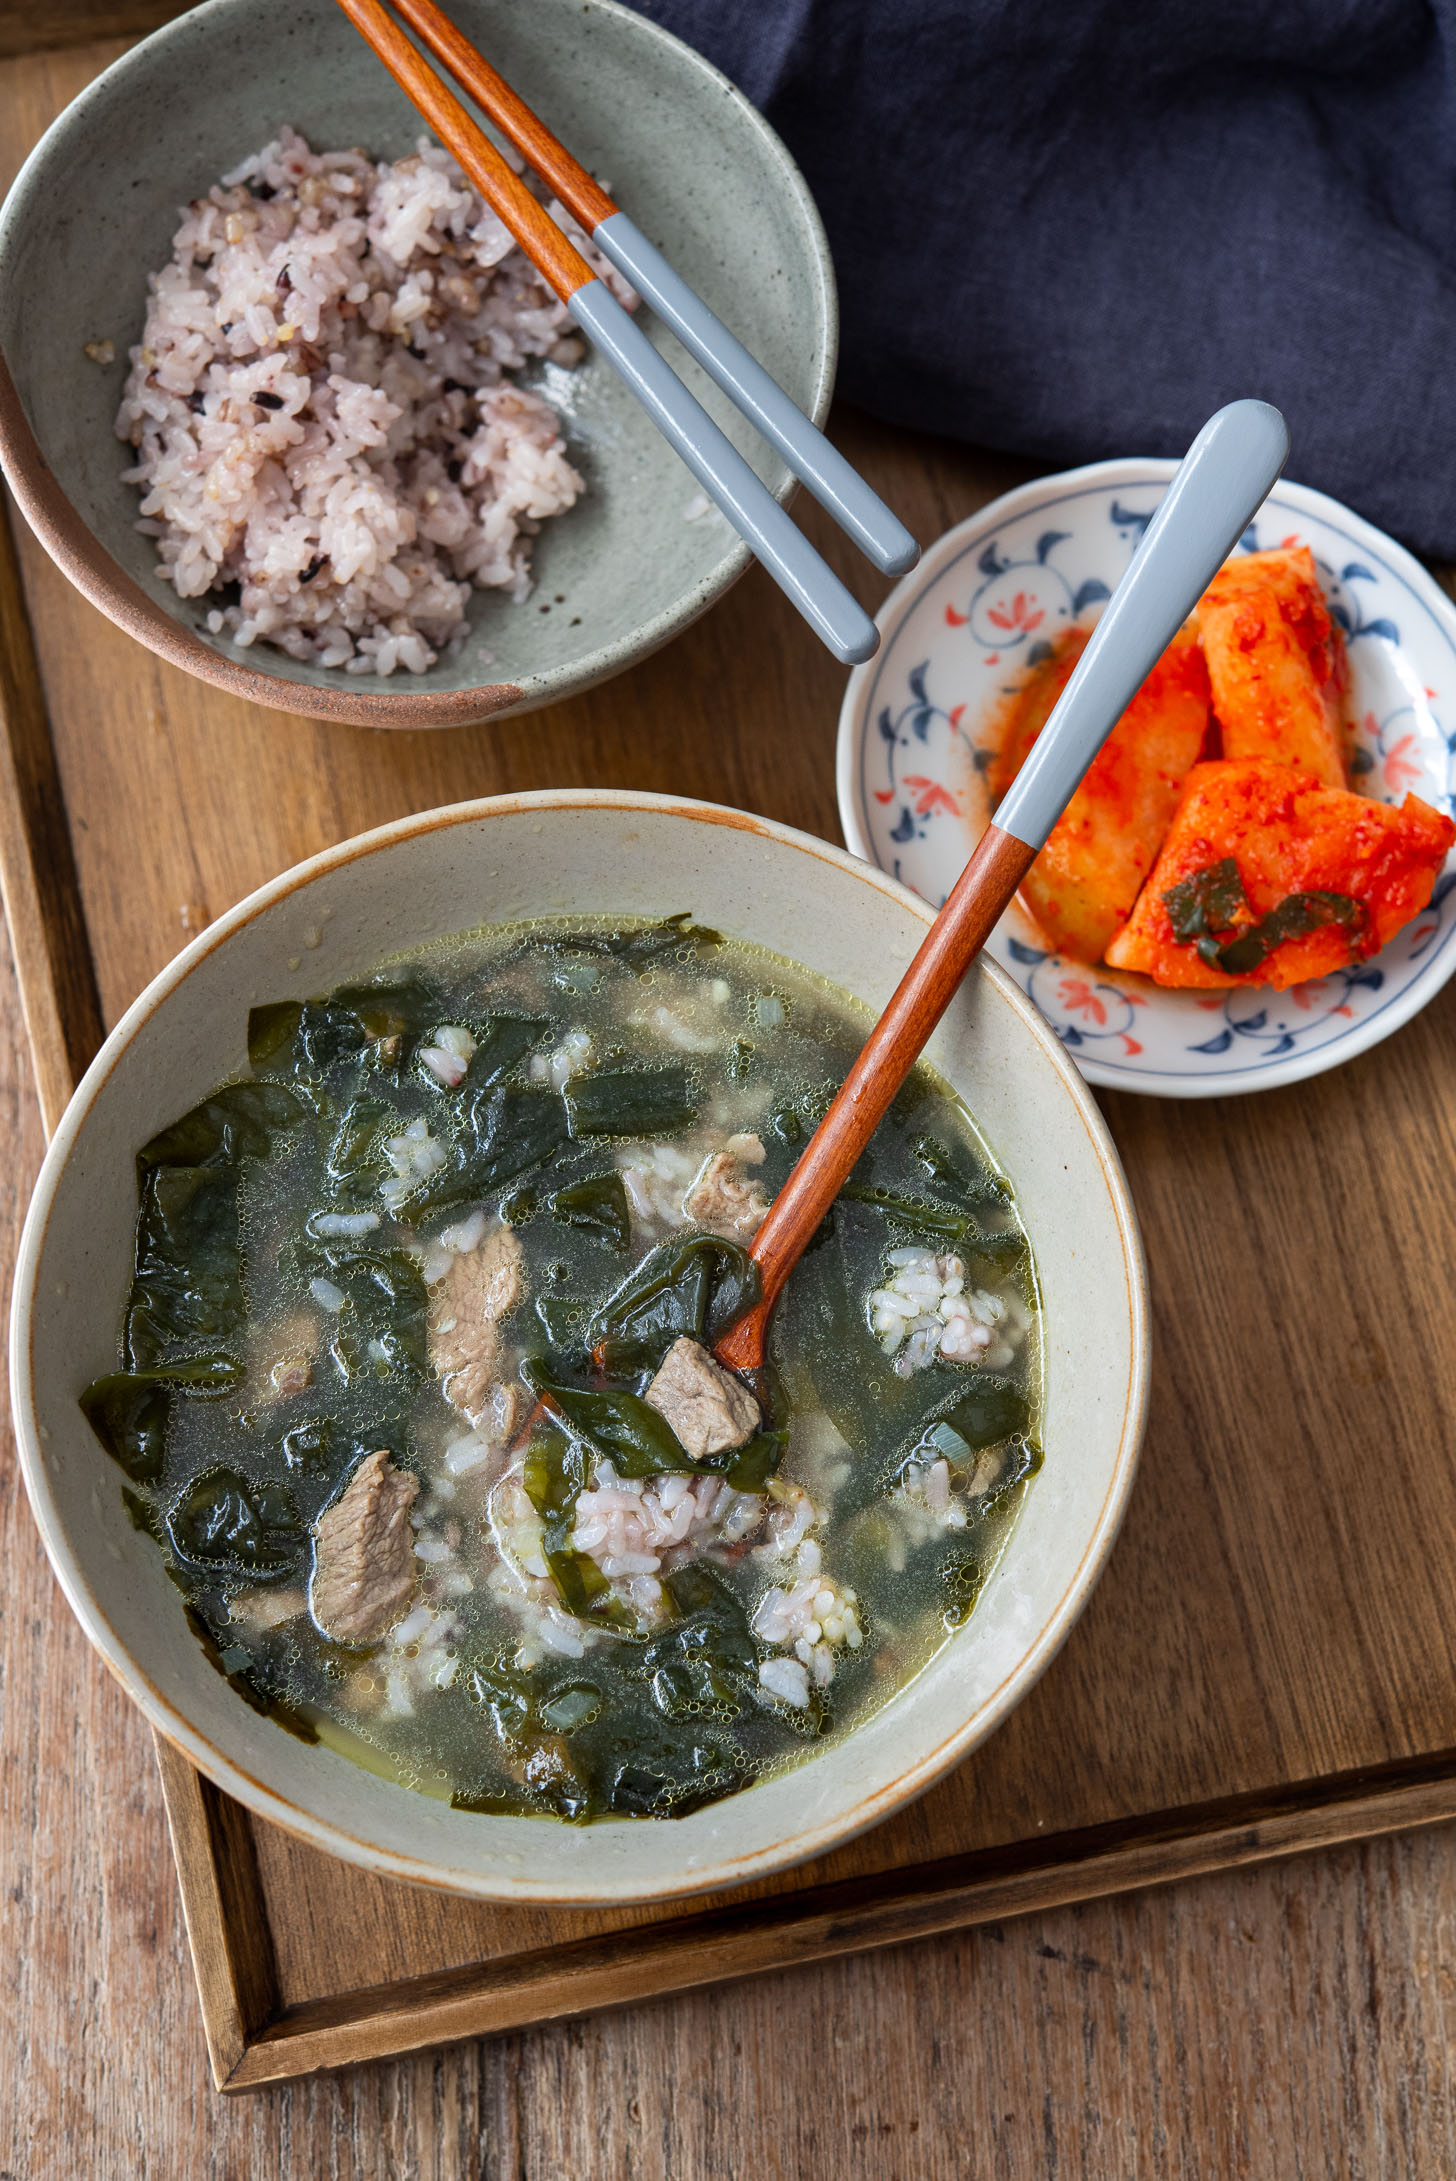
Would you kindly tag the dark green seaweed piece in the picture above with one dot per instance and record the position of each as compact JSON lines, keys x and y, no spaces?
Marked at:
{"x":669,"y":1776}
{"x":241,"y":1120}
{"x":822,"y":1318}
{"x":748,"y":1468}
{"x":698,"y":1286}
{"x":356,"y":1153}
{"x":638,"y":946}
{"x":507,"y":1131}
{"x":504,"y":1040}
{"x":697,"y":1591}
{"x":503,"y":1692}
{"x":785,"y":1126}
{"x":143,"y":1516}
{"x":486,"y":1801}
{"x":225,"y":1521}
{"x":656,"y":1101}
{"x":388,"y":1304}
{"x":373,"y":1023}
{"x":128,"y":1414}
{"x":128,"y":1410}
{"x":971,"y":1182}
{"x":188,"y":1284}
{"x":1296,"y":916}
{"x":498,"y":1134}
{"x":626,"y":1429}
{"x":564,"y":1318}
{"x":707,"y":1661}
{"x":583,"y":1588}
{"x":249,"y":1674}
{"x":1207,"y":901}
{"x":944,"y":1221}
{"x":597,"y":1203}
{"x":187,"y":1287}
{"x":271,"y":1031}
{"x":555,"y":1473}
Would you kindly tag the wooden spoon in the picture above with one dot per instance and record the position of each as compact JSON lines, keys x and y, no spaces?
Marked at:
{"x":1219,"y":486}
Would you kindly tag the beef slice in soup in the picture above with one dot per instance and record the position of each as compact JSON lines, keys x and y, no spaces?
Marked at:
{"x":364,"y":1561}
{"x":708,"y":1408}
{"x":723,"y":1200}
{"x":467,"y":1304}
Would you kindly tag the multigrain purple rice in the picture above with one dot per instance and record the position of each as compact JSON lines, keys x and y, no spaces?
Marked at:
{"x":323,"y":411}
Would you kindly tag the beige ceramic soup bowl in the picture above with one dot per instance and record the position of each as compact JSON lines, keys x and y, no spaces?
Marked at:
{"x":333,"y":919}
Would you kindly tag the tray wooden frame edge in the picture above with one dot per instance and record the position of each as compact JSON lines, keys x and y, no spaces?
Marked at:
{"x":254,"y":2041}
{"x":252,"y":2038}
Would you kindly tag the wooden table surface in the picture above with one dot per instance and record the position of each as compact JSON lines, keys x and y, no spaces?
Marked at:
{"x":1283,"y":2021}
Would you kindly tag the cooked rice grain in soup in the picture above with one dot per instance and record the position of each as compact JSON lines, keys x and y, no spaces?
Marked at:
{"x":327,"y":433}
{"x":417,"y":1392}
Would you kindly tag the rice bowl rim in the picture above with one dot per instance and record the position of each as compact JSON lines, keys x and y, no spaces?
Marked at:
{"x":807,"y":1840}
{"x":80,"y":555}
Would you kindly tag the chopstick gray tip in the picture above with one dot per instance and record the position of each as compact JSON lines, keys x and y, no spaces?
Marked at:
{"x":856,"y":649}
{"x":901,"y":563}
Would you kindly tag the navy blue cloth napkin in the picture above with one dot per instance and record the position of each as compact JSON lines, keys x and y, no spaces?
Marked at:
{"x":1072,"y":230}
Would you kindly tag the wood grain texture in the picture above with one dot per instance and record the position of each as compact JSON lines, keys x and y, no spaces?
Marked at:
{"x":37,"y":869}
{"x":26,"y":31}
{"x":572,"y":1976}
{"x":1277,"y":1609}
{"x":232,"y":1946}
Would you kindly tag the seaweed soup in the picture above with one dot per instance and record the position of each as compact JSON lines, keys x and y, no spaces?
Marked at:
{"x":415,"y":1393}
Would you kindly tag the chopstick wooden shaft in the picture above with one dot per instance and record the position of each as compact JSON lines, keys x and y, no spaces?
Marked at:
{"x":834,"y":482}
{"x":580,"y":192}
{"x":503,"y":190}
{"x":829,"y":608}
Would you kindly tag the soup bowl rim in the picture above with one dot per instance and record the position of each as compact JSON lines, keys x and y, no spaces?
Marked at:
{"x":812,"y":1839}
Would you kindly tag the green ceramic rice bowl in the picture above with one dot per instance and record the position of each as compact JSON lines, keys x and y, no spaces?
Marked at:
{"x":638,"y":557}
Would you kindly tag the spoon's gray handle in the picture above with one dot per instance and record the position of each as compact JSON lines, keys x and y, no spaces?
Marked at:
{"x":1220,"y":484}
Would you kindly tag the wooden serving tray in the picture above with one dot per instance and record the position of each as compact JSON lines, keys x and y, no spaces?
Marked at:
{"x":1268,"y":1662}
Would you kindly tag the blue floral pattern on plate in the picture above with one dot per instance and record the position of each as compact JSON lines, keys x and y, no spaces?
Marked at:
{"x":916,"y":739}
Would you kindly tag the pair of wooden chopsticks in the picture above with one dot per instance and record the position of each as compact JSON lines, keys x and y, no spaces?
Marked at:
{"x":717,"y":465}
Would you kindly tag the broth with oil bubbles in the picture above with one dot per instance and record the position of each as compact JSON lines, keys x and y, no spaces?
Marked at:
{"x":416,"y":1392}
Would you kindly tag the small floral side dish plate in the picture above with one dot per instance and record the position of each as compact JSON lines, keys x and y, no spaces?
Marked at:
{"x":983,"y":605}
